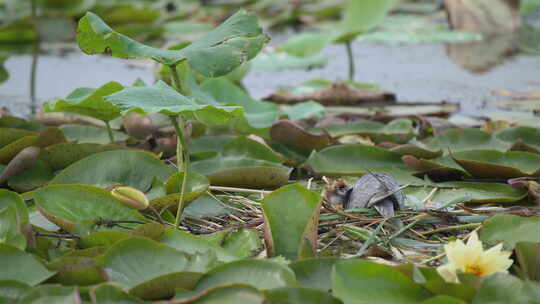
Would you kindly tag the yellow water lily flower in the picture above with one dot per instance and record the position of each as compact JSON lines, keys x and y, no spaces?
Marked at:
{"x":472,"y":258}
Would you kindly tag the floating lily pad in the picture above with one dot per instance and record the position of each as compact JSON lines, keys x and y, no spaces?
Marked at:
{"x":234,"y":42}
{"x":495,"y":164}
{"x":65,"y":205}
{"x":294,"y":136}
{"x":526,"y":135}
{"x":193,"y":244}
{"x":229,"y":294}
{"x":62,"y":155}
{"x":128,"y":168}
{"x":438,"y":169}
{"x":243,"y":162}
{"x":22,"y":267}
{"x":356,"y":281}
{"x":314,"y":273}
{"x":243,"y":243}
{"x":298,"y":295}
{"x":88,"y":134}
{"x":207,"y":146}
{"x":466,"y":139}
{"x":353,"y":160}
{"x":81,"y":271}
{"x":30,"y":179}
{"x":196,"y":185}
{"x":12,"y":291}
{"x":50,"y":293}
{"x":285,"y":234}
{"x":398,"y":131}
{"x":261,"y":274}
{"x":417,"y":150}
{"x":308,"y":109}
{"x":9,"y":151}
{"x":89,"y":102}
{"x":137,"y":261}
{"x":362,"y":16}
{"x":510,"y":230}
{"x":9,"y":135}
{"x":109,"y":293}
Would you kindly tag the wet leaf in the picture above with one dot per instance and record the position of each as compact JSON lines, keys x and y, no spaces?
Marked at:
{"x":510,"y":229}
{"x":361,"y":281}
{"x":234,"y":42}
{"x":65,"y":205}
{"x":88,"y":134}
{"x":243,"y":243}
{"x":526,"y":135}
{"x":495,"y":164}
{"x":22,"y":267}
{"x":128,"y":168}
{"x":89,"y":102}
{"x":291,"y":218}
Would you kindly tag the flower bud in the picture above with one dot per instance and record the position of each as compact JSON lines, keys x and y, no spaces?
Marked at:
{"x":131,"y":197}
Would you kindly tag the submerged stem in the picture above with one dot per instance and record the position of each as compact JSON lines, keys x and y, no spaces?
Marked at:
{"x":350,"y":56}
{"x":109,"y":131}
{"x":182,"y":161}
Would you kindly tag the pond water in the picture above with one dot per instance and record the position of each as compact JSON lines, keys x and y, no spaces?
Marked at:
{"x":415,"y":72}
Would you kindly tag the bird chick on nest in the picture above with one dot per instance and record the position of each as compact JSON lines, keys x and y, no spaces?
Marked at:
{"x":373,"y":189}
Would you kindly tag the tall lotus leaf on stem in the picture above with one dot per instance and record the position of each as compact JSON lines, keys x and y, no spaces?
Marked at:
{"x":222,"y":50}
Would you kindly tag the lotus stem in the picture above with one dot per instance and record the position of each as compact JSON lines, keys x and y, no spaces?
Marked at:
{"x":180,"y":82}
{"x":109,"y":131}
{"x":350,"y":56}
{"x":182,"y":161}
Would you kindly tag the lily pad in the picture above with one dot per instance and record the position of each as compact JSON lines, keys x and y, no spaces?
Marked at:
{"x":225,"y":48}
{"x":30,"y":179}
{"x":62,"y":155}
{"x":398,"y":131}
{"x":294,"y":136}
{"x":357,"y":281}
{"x":353,"y":160}
{"x":137,"y":261}
{"x":112,"y":294}
{"x":196,"y":185}
{"x":495,"y":164}
{"x":193,"y":244}
{"x":81,"y":271}
{"x":286,"y":61}
{"x":9,"y":135}
{"x":457,"y":140}
{"x":20,"y":266}
{"x":207,"y":146}
{"x":298,"y":295}
{"x":89,"y":102}
{"x":261,"y":274}
{"x":12,"y":291}
{"x":285,"y":233}
{"x":88,"y":134}
{"x":527,"y":135}
{"x":417,"y":150}
{"x":230,"y":294}
{"x":9,"y":151}
{"x":314,"y":273}
{"x":510,"y":230}
{"x":50,"y":293}
{"x":128,"y":168}
{"x":362,"y":16}
{"x":243,"y":162}
{"x":65,"y":205}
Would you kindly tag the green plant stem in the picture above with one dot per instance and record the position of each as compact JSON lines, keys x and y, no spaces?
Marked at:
{"x":182,"y":161}
{"x":350,"y":56}
{"x":109,"y":131}
{"x":180,"y":80}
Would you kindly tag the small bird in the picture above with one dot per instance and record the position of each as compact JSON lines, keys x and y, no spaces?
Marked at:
{"x":373,"y":189}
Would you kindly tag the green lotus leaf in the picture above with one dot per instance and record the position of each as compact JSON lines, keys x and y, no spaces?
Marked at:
{"x":362,"y":16}
{"x":225,"y":48}
{"x":89,"y":102}
{"x":134,"y":169}
{"x":286,"y":234}
{"x":161,"y":98}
